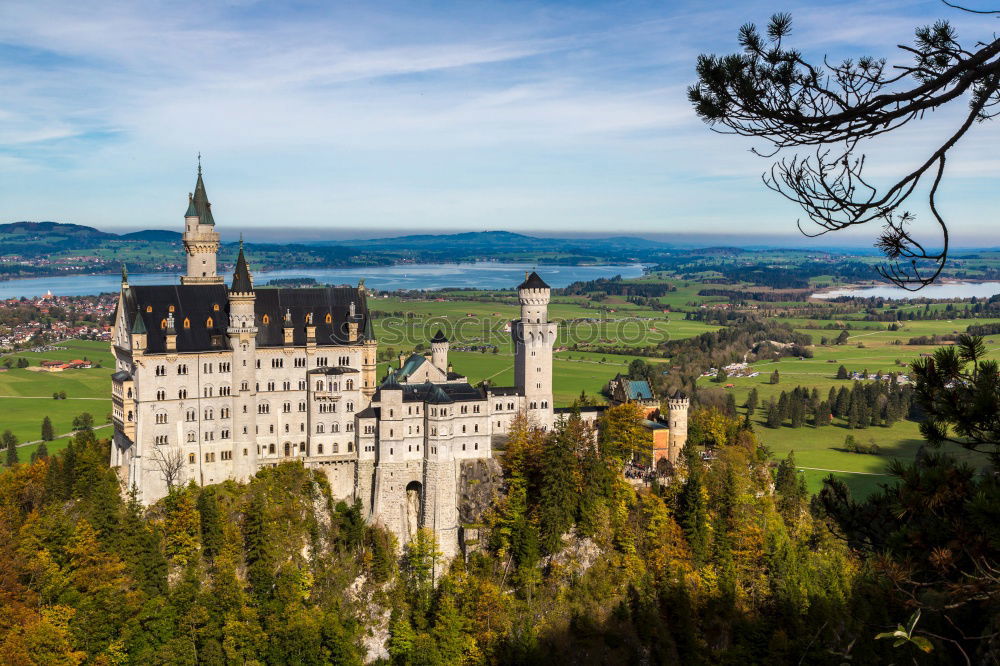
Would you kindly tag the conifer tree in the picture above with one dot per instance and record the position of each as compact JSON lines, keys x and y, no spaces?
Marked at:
{"x":41,"y":453}
{"x":9,"y":442}
{"x":842,"y":373}
{"x":47,"y":433}
{"x":752,"y":401}
{"x":559,"y":496}
{"x":693,"y":510}
{"x":211,"y":524}
{"x":775,"y":377}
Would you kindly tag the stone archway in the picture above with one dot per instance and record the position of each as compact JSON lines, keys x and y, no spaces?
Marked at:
{"x":411,"y":509}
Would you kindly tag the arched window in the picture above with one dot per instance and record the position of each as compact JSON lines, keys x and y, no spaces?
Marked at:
{"x":349,"y":385}
{"x":319,"y":449}
{"x":149,"y":308}
{"x":187,"y":323}
{"x":163,"y":324}
{"x":266,"y":319}
{"x":288,"y":449}
{"x":171,"y":308}
{"x":209,"y":323}
{"x":271,"y":449}
{"x":190,"y":458}
{"x":215,"y":307}
{"x":329,"y":318}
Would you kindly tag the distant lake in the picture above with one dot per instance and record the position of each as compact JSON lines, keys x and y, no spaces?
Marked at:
{"x":484,"y":275}
{"x":945,"y":290}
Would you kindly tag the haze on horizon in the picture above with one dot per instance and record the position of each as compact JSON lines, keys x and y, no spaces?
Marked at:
{"x":357,"y":119}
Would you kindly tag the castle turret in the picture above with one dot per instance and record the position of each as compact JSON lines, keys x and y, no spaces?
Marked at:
{"x":201,"y":241}
{"x":242,"y":332}
{"x":534,"y":337}
{"x":677,"y":421}
{"x":439,"y":351}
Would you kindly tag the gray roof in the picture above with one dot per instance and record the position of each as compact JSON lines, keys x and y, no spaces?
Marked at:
{"x":242,"y":282}
{"x":532,"y":281}
{"x":198,"y":203}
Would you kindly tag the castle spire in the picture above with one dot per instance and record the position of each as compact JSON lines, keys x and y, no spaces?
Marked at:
{"x":242,"y":282}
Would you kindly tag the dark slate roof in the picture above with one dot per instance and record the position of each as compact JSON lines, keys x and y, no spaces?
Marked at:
{"x":504,"y":390}
{"x":198,"y":203}
{"x":194,"y":302}
{"x":318,"y":301}
{"x":439,"y":337}
{"x":532,"y":281}
{"x":455,"y":376}
{"x":369,"y":413}
{"x":242,"y":282}
{"x":121,"y":376}
{"x":139,"y":327}
{"x":680,"y":395}
{"x":197,"y":303}
{"x":436,"y":393}
{"x":390,"y":382}
{"x":332,"y":370}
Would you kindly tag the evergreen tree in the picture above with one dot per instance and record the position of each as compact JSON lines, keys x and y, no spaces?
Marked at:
{"x":774,"y":417}
{"x":842,"y":338}
{"x":41,"y":453}
{"x":842,"y":373}
{"x":730,"y":406}
{"x":775,"y":377}
{"x":693,"y":511}
{"x":752,"y":401}
{"x":9,"y":442}
{"x":559,"y":496}
{"x":47,"y":433}
{"x":211,"y":523}
{"x":721,"y":376}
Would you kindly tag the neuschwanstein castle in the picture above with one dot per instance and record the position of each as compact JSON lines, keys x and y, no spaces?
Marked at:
{"x":214,"y":382}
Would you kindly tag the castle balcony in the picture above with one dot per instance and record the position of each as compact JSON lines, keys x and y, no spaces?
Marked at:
{"x":326,"y":395}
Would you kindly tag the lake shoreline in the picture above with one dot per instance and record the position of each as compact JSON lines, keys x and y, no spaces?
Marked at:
{"x":946,"y":288}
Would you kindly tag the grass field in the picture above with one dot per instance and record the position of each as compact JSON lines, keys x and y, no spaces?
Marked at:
{"x":26,"y":395}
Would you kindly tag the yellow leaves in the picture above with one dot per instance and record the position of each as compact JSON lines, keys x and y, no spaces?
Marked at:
{"x":41,"y":638}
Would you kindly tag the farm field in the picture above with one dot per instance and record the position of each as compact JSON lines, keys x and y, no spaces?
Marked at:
{"x":26,"y":395}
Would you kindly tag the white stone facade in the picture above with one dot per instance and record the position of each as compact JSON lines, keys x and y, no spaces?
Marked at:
{"x":214,"y":382}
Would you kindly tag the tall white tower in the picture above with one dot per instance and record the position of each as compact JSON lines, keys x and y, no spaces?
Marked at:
{"x":242,"y":334}
{"x":201,"y":241}
{"x":534,"y":338}
{"x":439,"y":351}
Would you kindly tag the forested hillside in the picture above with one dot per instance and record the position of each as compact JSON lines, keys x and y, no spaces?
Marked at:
{"x":728,"y":564}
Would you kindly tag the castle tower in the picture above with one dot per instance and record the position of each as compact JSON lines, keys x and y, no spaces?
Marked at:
{"x":242,"y":334}
{"x":439,"y":351}
{"x":534,"y":338}
{"x":678,"y":424}
{"x":201,"y":241}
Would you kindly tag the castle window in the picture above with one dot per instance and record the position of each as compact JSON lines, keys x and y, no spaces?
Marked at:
{"x":288,"y":449}
{"x":319,"y":449}
{"x":149,"y":308}
{"x":163,"y":324}
{"x":329,"y":318}
{"x":266,"y":319}
{"x":209,"y":323}
{"x":271,"y":449}
{"x":190,"y":458}
{"x":215,"y":307}
{"x":350,"y":427}
{"x":187,"y":323}
{"x":161,"y":395}
{"x":181,"y":394}
{"x":191,"y":437}
{"x":170,"y":309}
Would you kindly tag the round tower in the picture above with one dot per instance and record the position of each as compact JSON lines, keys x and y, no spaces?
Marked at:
{"x":201,"y":241}
{"x":439,"y":351}
{"x":678,"y":424}
{"x":242,"y":332}
{"x":534,"y":336}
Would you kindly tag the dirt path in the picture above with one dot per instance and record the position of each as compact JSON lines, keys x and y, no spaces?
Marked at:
{"x":65,"y":434}
{"x":842,"y":471}
{"x":49,"y":397}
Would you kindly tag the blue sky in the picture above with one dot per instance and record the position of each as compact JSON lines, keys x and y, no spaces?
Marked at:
{"x":352,"y":118}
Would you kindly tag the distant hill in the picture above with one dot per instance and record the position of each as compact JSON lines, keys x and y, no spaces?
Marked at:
{"x":52,"y":230}
{"x":153,"y":235}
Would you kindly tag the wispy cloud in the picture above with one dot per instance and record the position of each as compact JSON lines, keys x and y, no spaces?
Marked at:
{"x":447,"y":114}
